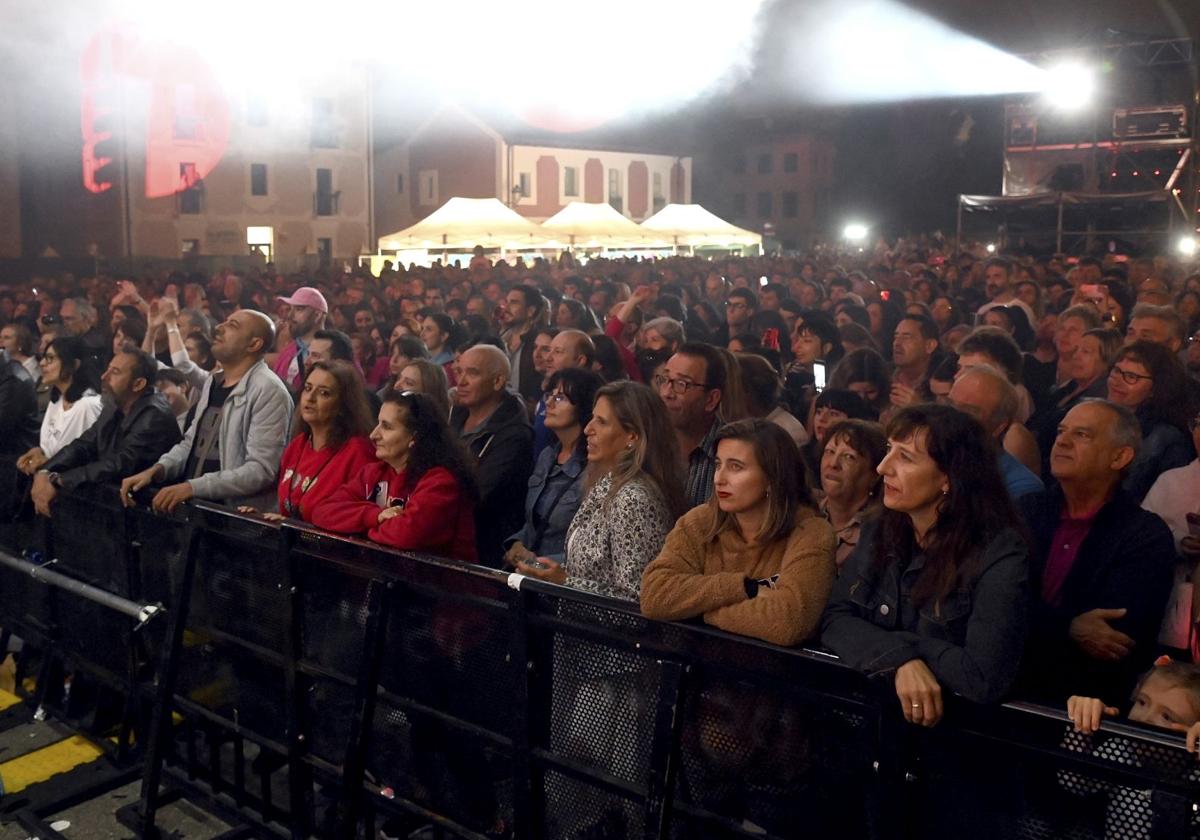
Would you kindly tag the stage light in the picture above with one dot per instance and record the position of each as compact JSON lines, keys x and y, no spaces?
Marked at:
{"x":1069,"y":86}
{"x":1187,"y":246}
{"x":991,"y":248}
{"x":855,"y":232}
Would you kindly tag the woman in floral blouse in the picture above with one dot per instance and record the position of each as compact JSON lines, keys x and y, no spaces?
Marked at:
{"x":636,"y":494}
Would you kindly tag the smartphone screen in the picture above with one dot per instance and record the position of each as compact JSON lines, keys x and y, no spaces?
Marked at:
{"x":819,"y":375}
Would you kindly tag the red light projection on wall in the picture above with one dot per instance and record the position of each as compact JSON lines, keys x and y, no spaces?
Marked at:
{"x":166,"y":99}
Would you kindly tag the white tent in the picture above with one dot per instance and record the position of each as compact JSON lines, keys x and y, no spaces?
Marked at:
{"x":463,"y":223}
{"x":693,"y":226}
{"x":594,"y":225}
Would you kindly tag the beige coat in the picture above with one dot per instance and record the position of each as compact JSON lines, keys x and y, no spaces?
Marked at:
{"x":694,"y":577}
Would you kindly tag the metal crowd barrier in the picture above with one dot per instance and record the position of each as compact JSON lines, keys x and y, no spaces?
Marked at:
{"x":310,"y":685}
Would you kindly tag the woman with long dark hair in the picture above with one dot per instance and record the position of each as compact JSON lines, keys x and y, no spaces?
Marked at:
{"x":936,"y":590}
{"x":757,"y":559}
{"x":329,"y":440}
{"x":420,"y":495}
{"x":74,"y":401}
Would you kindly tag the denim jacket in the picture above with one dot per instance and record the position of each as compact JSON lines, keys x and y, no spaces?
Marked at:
{"x":971,"y":640}
{"x":563,"y":493}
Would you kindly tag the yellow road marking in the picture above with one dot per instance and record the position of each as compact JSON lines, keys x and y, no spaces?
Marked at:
{"x":40,"y":765}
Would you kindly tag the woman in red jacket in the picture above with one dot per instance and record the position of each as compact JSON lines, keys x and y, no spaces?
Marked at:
{"x":330,"y":443}
{"x":421,"y":494}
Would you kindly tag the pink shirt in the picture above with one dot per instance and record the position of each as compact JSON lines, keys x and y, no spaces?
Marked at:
{"x":1064,"y":548}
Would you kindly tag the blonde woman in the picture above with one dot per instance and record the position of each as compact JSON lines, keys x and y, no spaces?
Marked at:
{"x":636,"y":493}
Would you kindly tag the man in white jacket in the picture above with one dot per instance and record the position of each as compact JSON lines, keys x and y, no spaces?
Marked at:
{"x":232,"y":447}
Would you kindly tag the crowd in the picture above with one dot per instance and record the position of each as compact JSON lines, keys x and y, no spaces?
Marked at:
{"x":960,"y":473}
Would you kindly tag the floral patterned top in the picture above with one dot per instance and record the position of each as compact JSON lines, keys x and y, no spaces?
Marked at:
{"x":608,"y":546}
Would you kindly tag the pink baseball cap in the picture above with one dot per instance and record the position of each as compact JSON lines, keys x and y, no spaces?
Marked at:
{"x":307,"y":296}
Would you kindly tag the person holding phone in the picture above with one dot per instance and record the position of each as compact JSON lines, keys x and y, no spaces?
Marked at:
{"x":1175,"y":497}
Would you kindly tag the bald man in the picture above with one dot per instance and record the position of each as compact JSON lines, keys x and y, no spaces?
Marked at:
{"x":492,"y":421}
{"x":230,"y":452}
{"x":986,"y":394}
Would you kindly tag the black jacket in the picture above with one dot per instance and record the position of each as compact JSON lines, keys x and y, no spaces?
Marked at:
{"x":503,"y":449}
{"x":118,"y":445}
{"x":18,"y":430}
{"x":1126,"y":561}
{"x":971,"y":640}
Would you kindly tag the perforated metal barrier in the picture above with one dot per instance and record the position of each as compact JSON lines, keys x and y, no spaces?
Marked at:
{"x":323,"y":686}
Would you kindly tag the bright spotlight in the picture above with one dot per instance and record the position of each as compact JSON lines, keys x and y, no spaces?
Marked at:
{"x":991,"y":248}
{"x":855,"y":232}
{"x":1069,"y":86}
{"x":1187,"y":246}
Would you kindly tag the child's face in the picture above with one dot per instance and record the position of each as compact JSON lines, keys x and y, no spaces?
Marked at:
{"x":1161,"y":703}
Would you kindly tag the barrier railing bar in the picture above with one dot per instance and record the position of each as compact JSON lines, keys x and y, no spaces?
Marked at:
{"x":161,"y":731}
{"x":141,"y":613}
{"x":363,"y":717}
{"x":587,"y":773}
{"x":1154,"y":736}
{"x":408,"y":705}
{"x":664,"y":749}
{"x":300,"y":803}
{"x":528,"y":785}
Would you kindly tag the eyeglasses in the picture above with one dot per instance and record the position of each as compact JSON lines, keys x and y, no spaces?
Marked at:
{"x":1129,"y":376}
{"x":677,"y":386}
{"x":557,"y":397}
{"x":735,"y":304}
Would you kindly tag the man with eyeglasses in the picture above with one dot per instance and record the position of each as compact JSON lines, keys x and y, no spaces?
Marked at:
{"x":691,"y":386}
{"x":739,"y":309}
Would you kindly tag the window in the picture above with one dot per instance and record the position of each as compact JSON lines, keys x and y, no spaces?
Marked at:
{"x":187,"y":115}
{"x":191,"y":190}
{"x":791,"y":162}
{"x":399,"y":183}
{"x":739,"y":165}
{"x":256,"y":111}
{"x":427,"y":189}
{"x":325,"y":250}
{"x":765,"y":205}
{"x":189,"y":247}
{"x":614,"y":190}
{"x":791,"y":205}
{"x":739,"y":205}
{"x":258,"y":179}
{"x":660,"y":200}
{"x":324,"y":131}
{"x":764,"y":164}
{"x":571,"y":181}
{"x":523,"y":184}
{"x":325,"y":200}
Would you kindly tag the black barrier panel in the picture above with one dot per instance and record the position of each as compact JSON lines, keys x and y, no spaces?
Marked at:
{"x":492,"y":702}
{"x":89,"y":540}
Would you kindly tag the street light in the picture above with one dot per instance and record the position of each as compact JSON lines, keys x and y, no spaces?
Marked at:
{"x":855,"y":232}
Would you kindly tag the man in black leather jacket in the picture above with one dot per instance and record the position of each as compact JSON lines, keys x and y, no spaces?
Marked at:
{"x":135,"y":428}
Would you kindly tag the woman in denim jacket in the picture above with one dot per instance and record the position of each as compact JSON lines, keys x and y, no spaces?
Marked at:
{"x":556,"y":486}
{"x":935,"y":594}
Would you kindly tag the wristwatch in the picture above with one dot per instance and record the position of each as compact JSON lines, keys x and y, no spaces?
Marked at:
{"x":52,"y":476}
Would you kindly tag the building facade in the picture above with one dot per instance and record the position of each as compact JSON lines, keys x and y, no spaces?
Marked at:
{"x":455,"y":153}
{"x":779,"y":185}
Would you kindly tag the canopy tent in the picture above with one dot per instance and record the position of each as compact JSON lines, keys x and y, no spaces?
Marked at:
{"x":594,"y":225}
{"x":463,"y":223}
{"x":692,"y":225}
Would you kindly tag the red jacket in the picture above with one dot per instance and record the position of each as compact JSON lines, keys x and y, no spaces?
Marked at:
{"x":437,"y":518}
{"x":614,"y":328}
{"x":322,"y":472}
